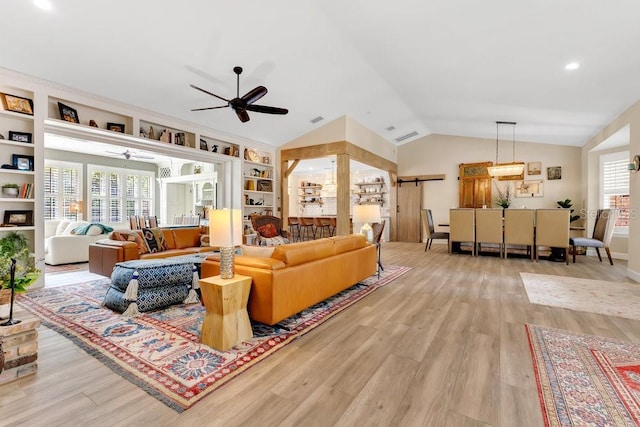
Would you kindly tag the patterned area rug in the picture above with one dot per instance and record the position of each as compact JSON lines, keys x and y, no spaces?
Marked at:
{"x":584,"y":380}
{"x":160,"y":351}
{"x":594,"y":296}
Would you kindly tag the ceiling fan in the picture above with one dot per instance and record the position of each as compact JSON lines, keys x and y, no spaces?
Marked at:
{"x":241,"y":105}
{"x":129,"y":155}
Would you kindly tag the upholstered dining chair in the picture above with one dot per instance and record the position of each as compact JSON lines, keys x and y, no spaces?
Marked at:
{"x":552,"y":230}
{"x":519,"y":229}
{"x":429,"y":229}
{"x":462,"y":228}
{"x":489,"y":228}
{"x":602,"y":234}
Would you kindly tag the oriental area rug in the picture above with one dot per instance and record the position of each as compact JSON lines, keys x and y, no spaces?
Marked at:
{"x":160,"y":351}
{"x":584,"y":380}
{"x":594,"y":296}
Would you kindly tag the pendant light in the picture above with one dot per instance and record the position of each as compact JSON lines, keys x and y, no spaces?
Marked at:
{"x":506,"y":169}
{"x":330,"y":188}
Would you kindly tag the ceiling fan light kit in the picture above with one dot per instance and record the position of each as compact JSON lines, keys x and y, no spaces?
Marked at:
{"x":242,"y":105}
{"x":506,"y":169}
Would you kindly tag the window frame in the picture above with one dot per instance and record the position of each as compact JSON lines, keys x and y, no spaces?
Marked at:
{"x":617,"y":156}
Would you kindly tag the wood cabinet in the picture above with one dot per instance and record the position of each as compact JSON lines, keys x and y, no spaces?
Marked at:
{"x":474,"y":185}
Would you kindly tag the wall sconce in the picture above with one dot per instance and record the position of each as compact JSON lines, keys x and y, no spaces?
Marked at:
{"x":634,"y":166}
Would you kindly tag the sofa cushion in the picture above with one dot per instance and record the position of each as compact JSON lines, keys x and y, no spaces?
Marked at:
{"x":62,"y":225}
{"x":131,"y":236}
{"x":348,"y":243}
{"x":169,"y":241}
{"x":73,"y":224}
{"x":257,"y":251}
{"x":303,"y":252}
{"x":186,"y":237}
{"x":154,"y":239}
{"x":50,"y":227}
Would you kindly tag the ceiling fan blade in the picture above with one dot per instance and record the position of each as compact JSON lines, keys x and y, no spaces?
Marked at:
{"x":141,"y":156}
{"x":208,"y":93}
{"x":243,"y":115}
{"x":267,"y":109}
{"x":254,"y":94}
{"x":209,"y":108}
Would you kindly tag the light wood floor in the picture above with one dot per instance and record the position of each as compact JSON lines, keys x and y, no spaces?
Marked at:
{"x":442,"y":345}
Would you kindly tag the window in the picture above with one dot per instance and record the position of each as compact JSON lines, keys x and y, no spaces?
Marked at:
{"x":614,"y":190}
{"x":119,"y":193}
{"x":62,"y":189}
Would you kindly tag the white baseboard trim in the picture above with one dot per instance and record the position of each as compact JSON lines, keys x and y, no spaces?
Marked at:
{"x":633,"y":275}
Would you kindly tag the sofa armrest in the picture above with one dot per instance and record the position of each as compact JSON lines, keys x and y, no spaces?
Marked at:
{"x":105,"y":253}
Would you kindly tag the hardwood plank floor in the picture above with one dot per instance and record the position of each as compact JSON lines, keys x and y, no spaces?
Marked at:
{"x":442,"y":345}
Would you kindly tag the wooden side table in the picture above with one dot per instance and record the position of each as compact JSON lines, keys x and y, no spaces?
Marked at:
{"x":226,"y":322}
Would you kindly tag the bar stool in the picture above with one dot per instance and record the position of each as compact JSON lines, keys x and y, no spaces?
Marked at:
{"x":306,"y":225}
{"x":321,"y":225}
{"x":294,"y":227}
{"x":333,"y":223}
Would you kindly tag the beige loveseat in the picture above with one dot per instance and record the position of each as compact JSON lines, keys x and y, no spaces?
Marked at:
{"x":298,"y":275}
{"x":121,"y":246}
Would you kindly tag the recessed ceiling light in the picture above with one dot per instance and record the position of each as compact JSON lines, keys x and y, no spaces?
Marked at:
{"x":572,"y":66}
{"x":43,"y":4}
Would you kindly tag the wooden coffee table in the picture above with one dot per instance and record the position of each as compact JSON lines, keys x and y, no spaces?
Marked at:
{"x":226,"y":322}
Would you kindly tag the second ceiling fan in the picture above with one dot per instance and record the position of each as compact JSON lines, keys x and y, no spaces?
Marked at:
{"x":241,"y":105}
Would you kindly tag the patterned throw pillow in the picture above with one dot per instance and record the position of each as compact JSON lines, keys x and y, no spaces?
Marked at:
{"x":268,"y":230}
{"x":154,"y":240}
{"x":273,"y":241}
{"x":131,"y":236}
{"x":204,"y":240}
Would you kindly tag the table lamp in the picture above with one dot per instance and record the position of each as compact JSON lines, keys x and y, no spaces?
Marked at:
{"x":225,"y":230}
{"x":366,"y":214}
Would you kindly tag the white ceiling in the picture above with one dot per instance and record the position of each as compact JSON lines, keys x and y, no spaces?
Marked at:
{"x":447,"y":67}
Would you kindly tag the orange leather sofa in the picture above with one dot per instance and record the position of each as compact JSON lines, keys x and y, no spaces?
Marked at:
{"x":298,"y":275}
{"x":105,"y":253}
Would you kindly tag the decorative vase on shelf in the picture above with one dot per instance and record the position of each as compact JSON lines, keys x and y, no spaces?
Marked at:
{"x":10,"y":191}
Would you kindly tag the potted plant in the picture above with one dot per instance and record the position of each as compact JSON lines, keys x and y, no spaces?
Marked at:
{"x":566,"y":204}
{"x":10,"y":190}
{"x":504,"y":197}
{"x":15,"y":245}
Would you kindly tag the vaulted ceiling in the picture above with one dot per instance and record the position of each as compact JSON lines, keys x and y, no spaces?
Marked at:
{"x":447,"y":67}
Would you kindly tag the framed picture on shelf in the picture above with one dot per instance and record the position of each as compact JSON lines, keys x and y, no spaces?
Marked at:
{"x":180,"y":138}
{"x":18,"y":218}
{"x":203,"y":145}
{"x":68,"y":114}
{"x":116,"y":127}
{"x":22,"y":162}
{"x":17,"y":104}
{"x":264,"y":185}
{"x":20,"y":137}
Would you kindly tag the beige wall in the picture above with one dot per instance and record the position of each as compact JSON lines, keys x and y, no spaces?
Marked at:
{"x":437,"y":154}
{"x":590,"y":181}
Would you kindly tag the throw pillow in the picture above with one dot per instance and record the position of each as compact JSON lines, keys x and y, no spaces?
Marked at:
{"x":204,"y":240}
{"x":268,"y":230}
{"x":62,"y":225}
{"x":154,"y":239}
{"x":131,"y":236}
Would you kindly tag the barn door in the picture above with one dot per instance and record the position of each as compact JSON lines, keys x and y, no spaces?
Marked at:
{"x":408,"y":212}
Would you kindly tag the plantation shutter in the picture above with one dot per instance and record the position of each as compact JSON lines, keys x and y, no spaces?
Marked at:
{"x":615,"y":185}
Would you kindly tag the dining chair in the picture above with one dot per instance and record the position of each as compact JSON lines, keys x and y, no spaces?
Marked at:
{"x":462,"y":228}
{"x":142,"y":223}
{"x":489,"y":228}
{"x":602,"y":234}
{"x":552,"y":230}
{"x":152,"y":221}
{"x":519,"y":229}
{"x":429,"y":228}
{"x":133,"y":223}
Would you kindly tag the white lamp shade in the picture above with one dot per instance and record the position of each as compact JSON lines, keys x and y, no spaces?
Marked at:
{"x":225,"y":227}
{"x":366,"y":214}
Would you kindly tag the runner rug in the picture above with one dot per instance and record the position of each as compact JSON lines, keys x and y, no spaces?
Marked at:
{"x":584,"y":380}
{"x":160,"y":351}
{"x":593,"y":296}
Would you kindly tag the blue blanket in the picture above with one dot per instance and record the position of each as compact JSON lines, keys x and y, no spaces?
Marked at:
{"x":84,"y":228}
